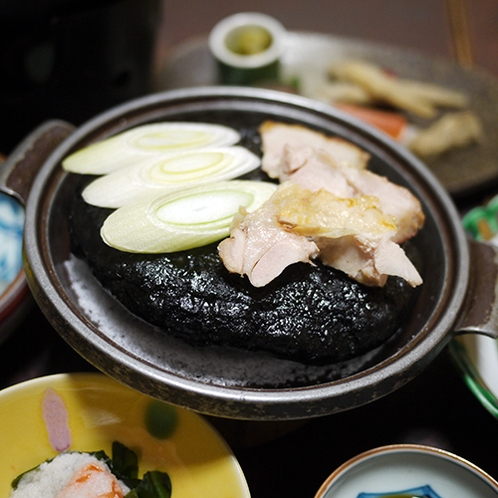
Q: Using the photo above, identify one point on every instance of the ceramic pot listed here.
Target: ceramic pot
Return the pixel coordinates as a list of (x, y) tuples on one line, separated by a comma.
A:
[(458, 294)]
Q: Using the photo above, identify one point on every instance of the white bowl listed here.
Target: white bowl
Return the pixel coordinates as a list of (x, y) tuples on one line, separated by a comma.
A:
[(407, 470)]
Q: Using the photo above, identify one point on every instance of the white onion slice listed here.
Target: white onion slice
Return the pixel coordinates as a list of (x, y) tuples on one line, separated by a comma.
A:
[(145, 141), (169, 172), (183, 219)]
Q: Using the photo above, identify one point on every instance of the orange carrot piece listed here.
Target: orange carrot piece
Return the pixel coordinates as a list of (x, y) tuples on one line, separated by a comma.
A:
[(389, 122)]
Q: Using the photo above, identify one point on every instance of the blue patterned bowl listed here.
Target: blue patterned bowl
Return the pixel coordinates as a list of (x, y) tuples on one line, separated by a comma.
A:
[(13, 286), (408, 471)]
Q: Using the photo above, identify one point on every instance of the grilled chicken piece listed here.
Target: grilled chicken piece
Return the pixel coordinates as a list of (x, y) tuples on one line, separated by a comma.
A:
[(353, 235), (261, 248), (315, 169), (275, 136), (395, 200), (328, 206), (295, 224)]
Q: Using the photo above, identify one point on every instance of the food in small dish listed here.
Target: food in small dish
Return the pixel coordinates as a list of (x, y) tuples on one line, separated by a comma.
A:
[(76, 474), (67, 475), (388, 102), (247, 47), (134, 434), (420, 98), (481, 222), (452, 130), (270, 292), (249, 40), (85, 474)]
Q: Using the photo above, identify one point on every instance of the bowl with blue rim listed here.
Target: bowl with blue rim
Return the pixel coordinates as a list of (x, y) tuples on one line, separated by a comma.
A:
[(14, 291)]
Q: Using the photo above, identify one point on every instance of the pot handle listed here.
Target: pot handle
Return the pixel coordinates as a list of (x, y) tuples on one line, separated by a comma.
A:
[(21, 167), (480, 310)]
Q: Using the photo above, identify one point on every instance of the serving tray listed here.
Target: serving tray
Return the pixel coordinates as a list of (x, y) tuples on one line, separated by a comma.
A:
[(306, 59)]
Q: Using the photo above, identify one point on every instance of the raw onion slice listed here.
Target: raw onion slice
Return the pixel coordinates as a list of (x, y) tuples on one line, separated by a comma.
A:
[(145, 141), (169, 172), (183, 219)]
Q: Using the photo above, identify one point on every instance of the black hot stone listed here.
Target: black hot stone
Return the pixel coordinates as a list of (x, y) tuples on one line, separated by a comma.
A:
[(311, 314)]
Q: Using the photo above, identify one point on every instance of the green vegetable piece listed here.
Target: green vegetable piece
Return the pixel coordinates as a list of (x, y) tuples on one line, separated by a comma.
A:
[(15, 482), (182, 219), (124, 460), (161, 419), (249, 40), (155, 484), (482, 222), (142, 142), (165, 173)]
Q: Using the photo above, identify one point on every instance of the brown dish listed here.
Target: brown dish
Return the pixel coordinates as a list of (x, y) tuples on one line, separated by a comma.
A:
[(224, 381), (308, 313)]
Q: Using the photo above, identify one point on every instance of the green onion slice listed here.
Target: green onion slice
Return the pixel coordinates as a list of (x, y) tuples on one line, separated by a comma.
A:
[(169, 172), (183, 219), (142, 142)]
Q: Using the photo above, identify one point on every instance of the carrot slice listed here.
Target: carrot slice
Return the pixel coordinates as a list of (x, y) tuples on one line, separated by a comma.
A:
[(389, 122)]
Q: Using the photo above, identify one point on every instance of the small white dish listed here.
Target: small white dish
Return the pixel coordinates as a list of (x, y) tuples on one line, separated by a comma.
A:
[(406, 470), (477, 357)]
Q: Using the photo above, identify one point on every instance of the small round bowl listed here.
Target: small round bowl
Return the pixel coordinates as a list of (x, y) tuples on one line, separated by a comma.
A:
[(239, 67), (13, 285), (97, 411), (407, 470)]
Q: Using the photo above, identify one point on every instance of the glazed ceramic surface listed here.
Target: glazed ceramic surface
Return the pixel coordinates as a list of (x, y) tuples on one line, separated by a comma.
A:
[(409, 471), (476, 355), (223, 381), (14, 295), (11, 230), (100, 411)]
